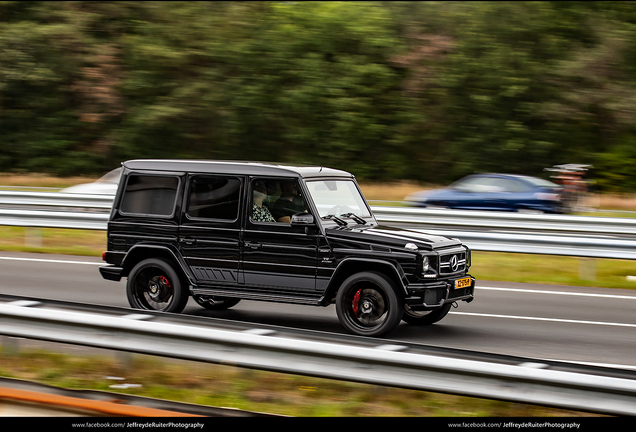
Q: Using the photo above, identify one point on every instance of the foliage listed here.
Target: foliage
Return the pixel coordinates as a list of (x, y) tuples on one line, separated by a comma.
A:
[(425, 91)]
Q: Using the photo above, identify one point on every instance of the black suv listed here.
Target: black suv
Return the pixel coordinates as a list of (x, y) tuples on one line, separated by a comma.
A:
[(225, 231)]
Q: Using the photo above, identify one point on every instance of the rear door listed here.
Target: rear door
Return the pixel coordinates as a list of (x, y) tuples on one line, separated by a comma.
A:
[(210, 231)]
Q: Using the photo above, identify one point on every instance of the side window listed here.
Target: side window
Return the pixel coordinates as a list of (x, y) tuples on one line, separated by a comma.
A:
[(509, 185), (276, 200), (214, 197), (150, 195), (518, 186), (289, 202), (500, 185), (468, 184), (263, 191), (490, 185)]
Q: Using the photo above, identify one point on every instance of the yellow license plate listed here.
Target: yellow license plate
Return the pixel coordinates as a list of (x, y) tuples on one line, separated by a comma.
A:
[(462, 283)]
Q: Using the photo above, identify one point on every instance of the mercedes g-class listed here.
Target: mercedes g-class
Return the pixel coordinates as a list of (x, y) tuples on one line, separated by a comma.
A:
[(225, 231)]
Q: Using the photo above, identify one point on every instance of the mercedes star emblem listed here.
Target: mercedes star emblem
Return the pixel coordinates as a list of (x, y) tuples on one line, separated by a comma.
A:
[(453, 263)]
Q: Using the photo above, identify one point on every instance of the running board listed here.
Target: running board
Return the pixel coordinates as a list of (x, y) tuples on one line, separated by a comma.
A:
[(248, 295)]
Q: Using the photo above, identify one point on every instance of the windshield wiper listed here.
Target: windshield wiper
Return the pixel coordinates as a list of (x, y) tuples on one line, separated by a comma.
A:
[(336, 219), (355, 217)]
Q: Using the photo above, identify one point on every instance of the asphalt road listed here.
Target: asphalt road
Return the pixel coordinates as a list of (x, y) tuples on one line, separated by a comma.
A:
[(578, 324)]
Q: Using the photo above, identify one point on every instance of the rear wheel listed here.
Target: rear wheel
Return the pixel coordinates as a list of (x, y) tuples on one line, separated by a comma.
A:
[(367, 304), (154, 284), (216, 303), (425, 317)]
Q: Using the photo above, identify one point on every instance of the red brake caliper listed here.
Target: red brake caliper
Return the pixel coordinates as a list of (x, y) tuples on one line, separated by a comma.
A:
[(164, 281), (356, 300)]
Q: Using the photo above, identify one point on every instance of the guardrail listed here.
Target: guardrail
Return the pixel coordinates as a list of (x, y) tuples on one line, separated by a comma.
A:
[(489, 220), (383, 364), (578, 236), (54, 200)]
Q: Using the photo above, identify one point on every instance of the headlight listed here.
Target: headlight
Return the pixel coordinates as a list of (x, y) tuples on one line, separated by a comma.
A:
[(429, 266)]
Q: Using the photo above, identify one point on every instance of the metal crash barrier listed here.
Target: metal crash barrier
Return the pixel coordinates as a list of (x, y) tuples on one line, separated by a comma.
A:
[(272, 350)]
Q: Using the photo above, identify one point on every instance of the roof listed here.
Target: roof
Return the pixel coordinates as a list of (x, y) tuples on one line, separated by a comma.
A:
[(519, 176), (233, 167)]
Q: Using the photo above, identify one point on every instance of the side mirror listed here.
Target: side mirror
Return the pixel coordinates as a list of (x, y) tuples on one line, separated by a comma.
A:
[(302, 219)]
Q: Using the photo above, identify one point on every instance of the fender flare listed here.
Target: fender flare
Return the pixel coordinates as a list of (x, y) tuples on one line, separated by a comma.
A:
[(394, 267), (130, 260)]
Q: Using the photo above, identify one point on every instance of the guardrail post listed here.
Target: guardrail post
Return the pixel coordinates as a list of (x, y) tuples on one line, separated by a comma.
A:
[(124, 359), (33, 237), (10, 346), (587, 269)]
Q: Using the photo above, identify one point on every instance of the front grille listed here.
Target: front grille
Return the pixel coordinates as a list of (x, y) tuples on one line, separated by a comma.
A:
[(452, 263)]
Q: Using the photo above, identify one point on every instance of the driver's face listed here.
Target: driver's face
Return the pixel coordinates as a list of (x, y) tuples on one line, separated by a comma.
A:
[(290, 188)]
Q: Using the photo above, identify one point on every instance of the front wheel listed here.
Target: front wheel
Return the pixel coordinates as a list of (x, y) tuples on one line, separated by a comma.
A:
[(367, 305), (154, 284), (425, 317)]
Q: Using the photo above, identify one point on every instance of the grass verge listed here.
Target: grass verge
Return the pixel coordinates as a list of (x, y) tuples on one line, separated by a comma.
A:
[(553, 270), (52, 241), (251, 390)]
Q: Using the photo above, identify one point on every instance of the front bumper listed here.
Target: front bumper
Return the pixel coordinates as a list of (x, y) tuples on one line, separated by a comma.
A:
[(432, 295)]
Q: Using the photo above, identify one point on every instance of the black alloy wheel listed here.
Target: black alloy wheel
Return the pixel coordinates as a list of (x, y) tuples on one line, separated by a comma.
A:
[(425, 317), (216, 303), (368, 305), (154, 284)]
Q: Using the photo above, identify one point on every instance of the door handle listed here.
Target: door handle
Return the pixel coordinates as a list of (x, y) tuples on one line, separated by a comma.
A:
[(253, 246), (188, 241)]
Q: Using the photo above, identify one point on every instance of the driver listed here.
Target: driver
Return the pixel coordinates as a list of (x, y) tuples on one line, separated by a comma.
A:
[(289, 203)]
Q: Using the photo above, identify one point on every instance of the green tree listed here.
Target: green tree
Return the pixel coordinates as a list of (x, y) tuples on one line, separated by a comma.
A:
[(428, 91)]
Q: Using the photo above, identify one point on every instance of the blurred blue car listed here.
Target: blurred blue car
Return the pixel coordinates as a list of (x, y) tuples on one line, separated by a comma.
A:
[(503, 192)]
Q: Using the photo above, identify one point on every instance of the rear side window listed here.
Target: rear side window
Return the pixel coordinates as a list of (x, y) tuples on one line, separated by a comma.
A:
[(150, 195), (213, 197)]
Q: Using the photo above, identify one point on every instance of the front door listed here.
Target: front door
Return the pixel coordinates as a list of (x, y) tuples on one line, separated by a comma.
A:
[(277, 254)]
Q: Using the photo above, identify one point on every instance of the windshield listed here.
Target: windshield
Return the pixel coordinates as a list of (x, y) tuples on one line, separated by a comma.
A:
[(337, 198), (542, 183)]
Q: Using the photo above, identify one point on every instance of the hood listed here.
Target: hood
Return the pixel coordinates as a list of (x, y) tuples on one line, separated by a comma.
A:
[(96, 188), (382, 235)]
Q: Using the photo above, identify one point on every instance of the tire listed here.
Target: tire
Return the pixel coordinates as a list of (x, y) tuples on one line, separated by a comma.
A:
[(153, 284), (368, 305), (216, 303), (425, 317)]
